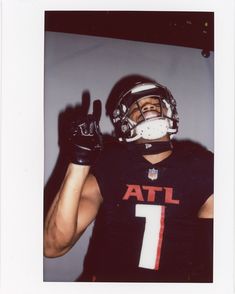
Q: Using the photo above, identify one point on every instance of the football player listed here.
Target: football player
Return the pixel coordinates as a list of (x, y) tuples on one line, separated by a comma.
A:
[(152, 201)]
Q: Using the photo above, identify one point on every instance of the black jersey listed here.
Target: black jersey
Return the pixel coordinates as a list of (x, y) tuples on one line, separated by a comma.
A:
[(146, 227)]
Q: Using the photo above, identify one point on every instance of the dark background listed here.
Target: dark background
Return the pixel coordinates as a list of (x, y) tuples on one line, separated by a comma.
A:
[(188, 29)]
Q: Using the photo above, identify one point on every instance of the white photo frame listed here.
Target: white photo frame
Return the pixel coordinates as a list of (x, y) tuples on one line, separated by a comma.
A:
[(22, 143)]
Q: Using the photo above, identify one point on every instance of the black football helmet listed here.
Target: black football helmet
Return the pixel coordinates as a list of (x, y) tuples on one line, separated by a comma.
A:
[(152, 128)]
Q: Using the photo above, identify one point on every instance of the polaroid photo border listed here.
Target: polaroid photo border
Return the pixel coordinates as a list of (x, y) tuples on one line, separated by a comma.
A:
[(22, 145)]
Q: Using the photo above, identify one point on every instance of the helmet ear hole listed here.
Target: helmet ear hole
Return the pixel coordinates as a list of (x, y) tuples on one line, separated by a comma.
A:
[(125, 128)]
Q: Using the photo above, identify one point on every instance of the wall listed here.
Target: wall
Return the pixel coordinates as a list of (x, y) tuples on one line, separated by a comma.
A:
[(75, 63)]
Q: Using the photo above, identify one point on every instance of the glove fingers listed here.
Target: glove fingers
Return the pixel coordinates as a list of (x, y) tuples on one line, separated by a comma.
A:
[(97, 107), (85, 105)]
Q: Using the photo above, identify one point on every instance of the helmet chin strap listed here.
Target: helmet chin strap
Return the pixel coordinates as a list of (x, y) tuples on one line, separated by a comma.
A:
[(150, 148)]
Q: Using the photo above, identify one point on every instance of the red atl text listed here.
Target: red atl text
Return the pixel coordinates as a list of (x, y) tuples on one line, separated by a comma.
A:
[(139, 193)]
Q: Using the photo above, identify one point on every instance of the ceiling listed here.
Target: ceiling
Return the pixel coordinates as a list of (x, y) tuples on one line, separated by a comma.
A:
[(188, 29)]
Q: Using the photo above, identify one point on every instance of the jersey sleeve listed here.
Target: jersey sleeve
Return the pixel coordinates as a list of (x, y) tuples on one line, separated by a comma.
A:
[(204, 181), (103, 168), (98, 170)]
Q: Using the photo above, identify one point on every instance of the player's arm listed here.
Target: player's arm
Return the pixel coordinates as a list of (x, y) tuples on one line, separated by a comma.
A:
[(73, 209), (90, 201), (78, 199), (207, 209)]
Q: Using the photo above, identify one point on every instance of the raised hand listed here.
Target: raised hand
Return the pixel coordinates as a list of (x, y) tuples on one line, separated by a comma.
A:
[(85, 137)]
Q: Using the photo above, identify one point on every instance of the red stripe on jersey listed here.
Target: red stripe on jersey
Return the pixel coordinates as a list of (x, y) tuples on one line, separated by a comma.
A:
[(159, 246)]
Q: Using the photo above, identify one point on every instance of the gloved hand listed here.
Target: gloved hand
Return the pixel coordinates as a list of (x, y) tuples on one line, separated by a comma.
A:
[(85, 137)]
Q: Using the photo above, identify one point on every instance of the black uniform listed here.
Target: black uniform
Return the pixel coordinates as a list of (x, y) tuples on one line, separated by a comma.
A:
[(147, 227)]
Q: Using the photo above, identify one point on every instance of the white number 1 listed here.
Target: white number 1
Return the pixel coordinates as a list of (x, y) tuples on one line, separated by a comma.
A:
[(153, 234)]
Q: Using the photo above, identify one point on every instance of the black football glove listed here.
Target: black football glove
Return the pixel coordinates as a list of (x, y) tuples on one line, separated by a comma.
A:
[(85, 137)]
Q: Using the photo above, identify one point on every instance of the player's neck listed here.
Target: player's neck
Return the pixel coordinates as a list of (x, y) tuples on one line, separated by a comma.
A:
[(155, 158)]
